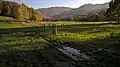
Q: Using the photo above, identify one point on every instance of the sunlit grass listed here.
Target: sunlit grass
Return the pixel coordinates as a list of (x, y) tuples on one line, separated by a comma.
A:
[(16, 25), (98, 33), (6, 18), (59, 23)]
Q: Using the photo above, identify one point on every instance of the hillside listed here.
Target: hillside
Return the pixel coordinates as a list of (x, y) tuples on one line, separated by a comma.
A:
[(83, 10), (6, 18), (19, 11), (52, 11)]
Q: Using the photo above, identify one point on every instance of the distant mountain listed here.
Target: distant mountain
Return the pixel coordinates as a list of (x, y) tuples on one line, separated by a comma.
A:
[(83, 10), (52, 11)]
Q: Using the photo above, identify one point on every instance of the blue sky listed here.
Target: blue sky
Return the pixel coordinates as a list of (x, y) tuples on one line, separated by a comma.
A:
[(66, 3)]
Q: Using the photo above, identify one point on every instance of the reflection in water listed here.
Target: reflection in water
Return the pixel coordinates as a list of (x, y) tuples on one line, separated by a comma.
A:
[(73, 53)]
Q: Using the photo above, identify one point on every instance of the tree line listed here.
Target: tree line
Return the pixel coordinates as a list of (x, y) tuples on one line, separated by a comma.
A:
[(19, 11)]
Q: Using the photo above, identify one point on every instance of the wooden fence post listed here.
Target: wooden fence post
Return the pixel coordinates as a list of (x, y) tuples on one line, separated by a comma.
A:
[(49, 25), (44, 27), (54, 29)]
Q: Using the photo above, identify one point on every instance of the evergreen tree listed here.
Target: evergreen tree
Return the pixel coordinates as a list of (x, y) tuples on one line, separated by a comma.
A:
[(113, 13)]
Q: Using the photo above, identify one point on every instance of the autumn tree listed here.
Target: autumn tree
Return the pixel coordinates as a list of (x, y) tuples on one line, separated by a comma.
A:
[(19, 11), (31, 13), (10, 9), (14, 7), (38, 16), (5, 8)]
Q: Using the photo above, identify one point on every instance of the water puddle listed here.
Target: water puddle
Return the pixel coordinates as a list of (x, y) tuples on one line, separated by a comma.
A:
[(73, 53)]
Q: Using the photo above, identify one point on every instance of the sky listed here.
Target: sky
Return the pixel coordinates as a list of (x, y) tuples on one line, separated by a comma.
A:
[(57, 3)]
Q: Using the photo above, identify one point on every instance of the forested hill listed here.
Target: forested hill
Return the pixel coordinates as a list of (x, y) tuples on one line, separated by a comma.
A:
[(19, 11)]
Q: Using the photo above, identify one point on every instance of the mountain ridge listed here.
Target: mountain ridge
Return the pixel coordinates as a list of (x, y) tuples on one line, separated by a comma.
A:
[(83, 10), (64, 12)]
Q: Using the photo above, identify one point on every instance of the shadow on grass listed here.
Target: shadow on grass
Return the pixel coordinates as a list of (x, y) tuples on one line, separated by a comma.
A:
[(112, 42), (30, 57), (26, 29), (24, 58)]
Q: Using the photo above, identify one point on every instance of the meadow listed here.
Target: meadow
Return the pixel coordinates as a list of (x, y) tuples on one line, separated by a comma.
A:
[(17, 37), (99, 34)]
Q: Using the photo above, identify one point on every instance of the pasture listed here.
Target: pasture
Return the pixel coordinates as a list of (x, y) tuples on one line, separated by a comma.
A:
[(98, 34), (20, 41)]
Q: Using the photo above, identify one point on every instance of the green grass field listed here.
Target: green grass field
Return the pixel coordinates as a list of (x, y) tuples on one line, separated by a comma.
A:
[(6, 18), (99, 34), (20, 43), (85, 33)]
